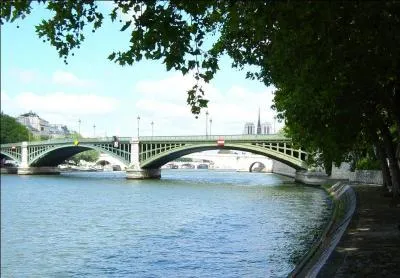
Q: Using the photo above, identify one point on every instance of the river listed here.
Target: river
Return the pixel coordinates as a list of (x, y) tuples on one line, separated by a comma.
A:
[(193, 223)]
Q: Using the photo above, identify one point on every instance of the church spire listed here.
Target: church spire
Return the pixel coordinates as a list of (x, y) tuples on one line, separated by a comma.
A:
[(259, 122)]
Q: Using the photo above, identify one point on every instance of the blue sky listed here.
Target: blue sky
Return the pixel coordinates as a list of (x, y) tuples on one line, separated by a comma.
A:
[(101, 93)]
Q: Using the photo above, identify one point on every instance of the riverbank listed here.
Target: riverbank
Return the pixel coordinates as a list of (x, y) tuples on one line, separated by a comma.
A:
[(361, 240), (370, 246), (344, 199)]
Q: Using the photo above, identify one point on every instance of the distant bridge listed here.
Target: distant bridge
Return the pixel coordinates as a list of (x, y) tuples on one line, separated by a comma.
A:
[(143, 156)]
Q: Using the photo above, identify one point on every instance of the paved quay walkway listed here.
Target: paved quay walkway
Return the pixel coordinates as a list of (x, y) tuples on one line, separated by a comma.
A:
[(370, 247)]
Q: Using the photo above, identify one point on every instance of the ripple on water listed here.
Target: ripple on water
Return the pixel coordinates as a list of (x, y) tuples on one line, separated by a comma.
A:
[(188, 224)]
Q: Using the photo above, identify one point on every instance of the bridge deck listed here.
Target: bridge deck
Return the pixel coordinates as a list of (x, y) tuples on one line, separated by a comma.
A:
[(193, 138)]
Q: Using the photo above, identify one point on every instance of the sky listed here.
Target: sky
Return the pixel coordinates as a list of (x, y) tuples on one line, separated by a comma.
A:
[(97, 92)]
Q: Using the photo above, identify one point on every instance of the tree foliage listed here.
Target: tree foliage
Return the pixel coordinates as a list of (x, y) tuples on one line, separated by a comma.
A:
[(335, 65), (368, 164), (184, 159), (11, 130), (89, 156)]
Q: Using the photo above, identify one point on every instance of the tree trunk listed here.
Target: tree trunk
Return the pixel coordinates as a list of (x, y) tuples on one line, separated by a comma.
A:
[(391, 155), (380, 152), (396, 102)]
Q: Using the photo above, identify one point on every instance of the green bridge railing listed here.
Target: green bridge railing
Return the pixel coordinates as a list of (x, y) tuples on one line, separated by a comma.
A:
[(269, 137)]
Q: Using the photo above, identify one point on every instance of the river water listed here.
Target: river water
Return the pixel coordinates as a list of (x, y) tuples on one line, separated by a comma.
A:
[(190, 223)]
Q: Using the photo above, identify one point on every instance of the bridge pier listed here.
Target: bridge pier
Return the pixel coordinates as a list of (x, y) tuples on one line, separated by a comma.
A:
[(134, 171), (139, 173), (38, 171)]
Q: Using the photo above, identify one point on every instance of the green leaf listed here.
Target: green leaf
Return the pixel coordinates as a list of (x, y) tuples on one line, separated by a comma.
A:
[(111, 56), (127, 24)]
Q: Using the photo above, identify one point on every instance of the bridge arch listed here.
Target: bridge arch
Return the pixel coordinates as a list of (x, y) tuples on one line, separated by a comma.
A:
[(156, 161), (103, 162), (58, 154), (7, 156), (260, 165)]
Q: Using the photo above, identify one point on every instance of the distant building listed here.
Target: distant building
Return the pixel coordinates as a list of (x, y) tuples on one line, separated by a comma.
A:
[(40, 127), (249, 128), (266, 128), (258, 123), (33, 122), (262, 128), (58, 130)]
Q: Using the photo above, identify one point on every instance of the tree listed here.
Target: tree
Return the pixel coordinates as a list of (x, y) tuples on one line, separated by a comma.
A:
[(90, 156), (348, 93), (184, 159), (12, 131), (335, 65)]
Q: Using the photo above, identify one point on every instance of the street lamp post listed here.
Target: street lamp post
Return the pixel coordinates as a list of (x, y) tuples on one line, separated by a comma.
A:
[(210, 125), (79, 127), (152, 130), (94, 130), (274, 124), (206, 123), (138, 119)]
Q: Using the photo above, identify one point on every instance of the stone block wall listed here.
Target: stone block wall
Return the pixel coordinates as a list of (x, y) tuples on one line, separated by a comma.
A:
[(341, 172), (283, 169), (366, 176), (357, 176)]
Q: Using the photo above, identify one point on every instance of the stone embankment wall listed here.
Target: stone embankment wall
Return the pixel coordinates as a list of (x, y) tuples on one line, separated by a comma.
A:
[(8, 170), (366, 176), (344, 199), (342, 172), (283, 169), (357, 176), (338, 173)]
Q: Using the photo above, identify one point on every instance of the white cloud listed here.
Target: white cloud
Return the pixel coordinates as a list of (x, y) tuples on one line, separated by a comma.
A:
[(7, 104), (172, 88), (27, 76), (69, 79), (67, 104), (244, 104), (4, 97), (161, 107), (164, 101)]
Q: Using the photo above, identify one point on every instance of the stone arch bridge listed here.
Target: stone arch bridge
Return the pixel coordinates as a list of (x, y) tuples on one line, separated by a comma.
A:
[(145, 155)]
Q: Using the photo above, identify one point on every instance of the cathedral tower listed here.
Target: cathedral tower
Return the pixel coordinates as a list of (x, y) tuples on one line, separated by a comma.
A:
[(259, 122)]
